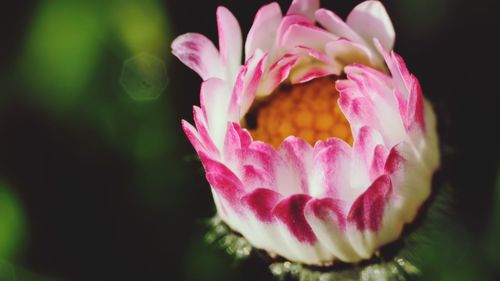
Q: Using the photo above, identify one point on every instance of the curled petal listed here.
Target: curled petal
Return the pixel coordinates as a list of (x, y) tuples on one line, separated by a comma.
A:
[(198, 53)]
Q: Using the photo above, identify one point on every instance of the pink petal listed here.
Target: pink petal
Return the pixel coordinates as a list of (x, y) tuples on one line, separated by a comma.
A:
[(380, 155), (394, 161), (261, 202), (199, 54), (202, 128), (364, 146), (328, 209), (262, 34), (290, 212), (328, 220), (276, 74), (261, 155), (230, 40), (223, 180), (193, 136), (407, 90), (305, 74), (291, 20), (304, 7), (370, 20), (246, 86), (363, 156), (311, 37), (367, 212), (255, 177)]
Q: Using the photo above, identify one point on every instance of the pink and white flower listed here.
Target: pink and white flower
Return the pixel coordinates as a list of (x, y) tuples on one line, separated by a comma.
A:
[(314, 200)]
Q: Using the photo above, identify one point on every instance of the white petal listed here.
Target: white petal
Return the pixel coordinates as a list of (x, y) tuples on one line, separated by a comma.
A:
[(230, 41), (370, 20), (262, 34)]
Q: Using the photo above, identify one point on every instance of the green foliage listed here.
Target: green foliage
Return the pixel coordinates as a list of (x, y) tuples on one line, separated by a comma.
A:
[(203, 262), (12, 223), (62, 50)]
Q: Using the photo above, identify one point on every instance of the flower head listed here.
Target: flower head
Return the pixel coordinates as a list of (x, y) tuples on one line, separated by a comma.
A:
[(320, 147)]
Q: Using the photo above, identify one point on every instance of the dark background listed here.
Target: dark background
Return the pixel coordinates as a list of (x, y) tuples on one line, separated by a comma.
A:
[(98, 182)]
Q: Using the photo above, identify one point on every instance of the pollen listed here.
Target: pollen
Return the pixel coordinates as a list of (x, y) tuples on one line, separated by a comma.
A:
[(309, 110)]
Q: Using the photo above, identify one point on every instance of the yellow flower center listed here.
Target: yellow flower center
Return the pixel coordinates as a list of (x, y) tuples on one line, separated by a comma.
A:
[(308, 110)]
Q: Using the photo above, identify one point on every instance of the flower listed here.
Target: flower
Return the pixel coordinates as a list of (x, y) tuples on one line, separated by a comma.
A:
[(320, 147)]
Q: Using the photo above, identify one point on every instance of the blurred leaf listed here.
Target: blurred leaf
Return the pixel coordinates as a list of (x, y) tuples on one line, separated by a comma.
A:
[(62, 50), (440, 247), (140, 25), (205, 262), (12, 224)]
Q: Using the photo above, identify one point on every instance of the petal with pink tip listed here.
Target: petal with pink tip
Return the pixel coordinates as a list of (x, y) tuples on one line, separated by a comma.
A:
[(297, 155), (223, 180), (327, 218), (261, 202), (198, 53), (330, 174), (370, 20), (246, 85), (407, 90), (362, 158), (289, 21), (193, 136), (367, 212), (312, 64), (202, 128), (277, 73), (261, 155), (380, 155), (290, 212)]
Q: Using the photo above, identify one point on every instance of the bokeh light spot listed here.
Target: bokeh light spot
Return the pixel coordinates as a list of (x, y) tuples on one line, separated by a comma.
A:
[(144, 77)]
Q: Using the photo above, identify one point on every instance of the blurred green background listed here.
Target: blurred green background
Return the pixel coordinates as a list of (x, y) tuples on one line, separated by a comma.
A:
[(98, 182)]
